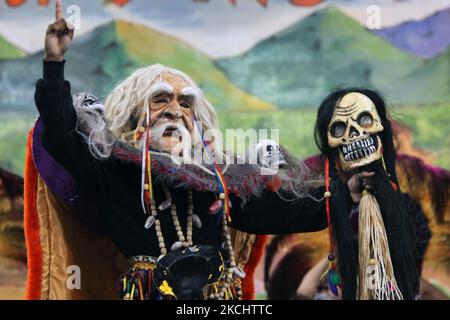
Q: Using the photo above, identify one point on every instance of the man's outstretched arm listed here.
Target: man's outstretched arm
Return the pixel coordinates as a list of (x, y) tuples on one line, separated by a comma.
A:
[(270, 214), (54, 101)]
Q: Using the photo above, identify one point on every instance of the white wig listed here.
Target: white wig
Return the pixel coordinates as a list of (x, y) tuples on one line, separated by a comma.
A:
[(126, 105)]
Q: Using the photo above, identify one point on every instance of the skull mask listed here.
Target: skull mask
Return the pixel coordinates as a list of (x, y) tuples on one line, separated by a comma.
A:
[(354, 130), (269, 154)]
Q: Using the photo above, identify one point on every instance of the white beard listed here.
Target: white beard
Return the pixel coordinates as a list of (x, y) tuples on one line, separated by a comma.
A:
[(157, 138)]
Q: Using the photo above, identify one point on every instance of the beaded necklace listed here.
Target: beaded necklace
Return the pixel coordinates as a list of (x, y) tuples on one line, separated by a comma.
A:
[(229, 286)]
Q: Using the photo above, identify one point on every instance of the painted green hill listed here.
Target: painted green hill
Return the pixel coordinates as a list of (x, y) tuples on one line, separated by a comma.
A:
[(299, 66), (430, 83), (8, 50), (98, 60)]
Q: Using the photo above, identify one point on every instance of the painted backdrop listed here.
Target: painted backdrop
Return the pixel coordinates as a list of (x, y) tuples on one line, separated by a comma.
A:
[(262, 64)]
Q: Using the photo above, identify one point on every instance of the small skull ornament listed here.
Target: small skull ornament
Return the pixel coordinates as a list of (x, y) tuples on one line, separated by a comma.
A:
[(88, 100), (354, 130), (269, 154)]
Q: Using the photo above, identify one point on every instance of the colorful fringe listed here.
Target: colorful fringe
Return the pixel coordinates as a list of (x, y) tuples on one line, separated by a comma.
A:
[(332, 277), (136, 284), (220, 179), (331, 274)]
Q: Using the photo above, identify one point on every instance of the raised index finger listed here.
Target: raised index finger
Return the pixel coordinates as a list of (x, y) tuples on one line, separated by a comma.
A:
[(58, 10)]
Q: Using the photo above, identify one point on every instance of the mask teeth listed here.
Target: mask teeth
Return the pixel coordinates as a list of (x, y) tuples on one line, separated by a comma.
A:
[(359, 149)]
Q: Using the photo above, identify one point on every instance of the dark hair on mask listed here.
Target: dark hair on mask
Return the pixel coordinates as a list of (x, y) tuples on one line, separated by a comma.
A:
[(393, 209)]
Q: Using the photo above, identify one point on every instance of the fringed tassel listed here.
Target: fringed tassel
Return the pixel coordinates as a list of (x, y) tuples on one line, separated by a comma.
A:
[(229, 292), (331, 274), (224, 197), (376, 275), (136, 285), (146, 168)]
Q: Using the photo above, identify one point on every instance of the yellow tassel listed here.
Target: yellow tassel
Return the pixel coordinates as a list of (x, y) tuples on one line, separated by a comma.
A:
[(149, 172), (231, 293), (324, 274), (384, 164), (132, 291)]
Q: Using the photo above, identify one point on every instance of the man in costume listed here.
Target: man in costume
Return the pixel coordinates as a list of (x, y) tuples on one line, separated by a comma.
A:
[(295, 263), (120, 168), (367, 216)]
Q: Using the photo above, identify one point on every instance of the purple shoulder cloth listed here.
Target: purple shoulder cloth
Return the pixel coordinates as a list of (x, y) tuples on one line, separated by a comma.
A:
[(54, 175)]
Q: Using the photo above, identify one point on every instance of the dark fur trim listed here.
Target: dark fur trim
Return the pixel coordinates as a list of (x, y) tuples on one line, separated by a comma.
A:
[(243, 180)]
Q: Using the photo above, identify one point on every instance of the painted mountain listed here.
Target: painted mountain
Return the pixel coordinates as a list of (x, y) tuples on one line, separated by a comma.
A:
[(98, 60), (426, 38), (431, 80), (8, 50), (299, 66)]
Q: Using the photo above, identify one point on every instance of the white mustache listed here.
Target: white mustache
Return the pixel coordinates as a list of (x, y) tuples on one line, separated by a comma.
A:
[(157, 131)]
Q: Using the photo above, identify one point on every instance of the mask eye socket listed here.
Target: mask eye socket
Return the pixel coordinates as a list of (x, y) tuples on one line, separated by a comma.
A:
[(365, 120), (160, 100), (337, 129), (185, 104)]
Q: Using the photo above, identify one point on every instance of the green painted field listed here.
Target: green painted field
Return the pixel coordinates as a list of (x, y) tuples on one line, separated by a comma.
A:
[(430, 127), (8, 50), (13, 138)]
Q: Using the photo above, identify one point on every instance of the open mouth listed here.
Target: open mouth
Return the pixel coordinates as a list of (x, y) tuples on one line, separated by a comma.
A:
[(360, 149), (168, 132)]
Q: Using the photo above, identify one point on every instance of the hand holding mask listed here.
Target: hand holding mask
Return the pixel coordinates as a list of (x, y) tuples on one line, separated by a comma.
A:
[(359, 182)]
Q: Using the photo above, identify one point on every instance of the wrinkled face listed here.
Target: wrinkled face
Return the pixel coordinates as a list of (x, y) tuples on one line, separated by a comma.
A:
[(354, 130), (171, 113)]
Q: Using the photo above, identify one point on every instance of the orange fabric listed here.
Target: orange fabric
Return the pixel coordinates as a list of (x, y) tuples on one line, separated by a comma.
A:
[(55, 240), (69, 247), (248, 285), (31, 224)]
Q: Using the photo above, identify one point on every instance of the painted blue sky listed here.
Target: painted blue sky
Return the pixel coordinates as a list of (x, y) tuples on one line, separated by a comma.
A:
[(216, 28)]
